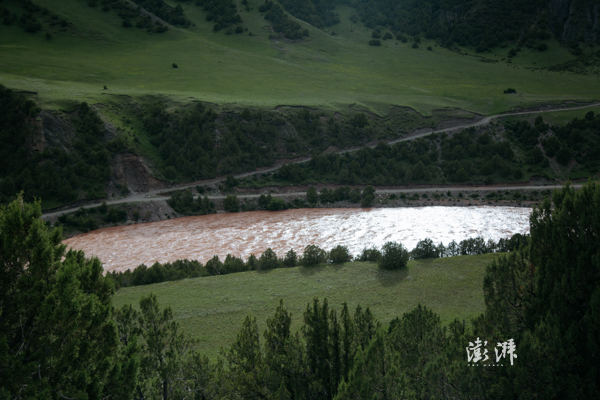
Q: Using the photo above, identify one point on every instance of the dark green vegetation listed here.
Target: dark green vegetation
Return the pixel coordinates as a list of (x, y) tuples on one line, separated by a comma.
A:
[(281, 22), (152, 15), (32, 18), (512, 151), (57, 334), (64, 172), (480, 24), (183, 202), (393, 256), (61, 336), (88, 219)]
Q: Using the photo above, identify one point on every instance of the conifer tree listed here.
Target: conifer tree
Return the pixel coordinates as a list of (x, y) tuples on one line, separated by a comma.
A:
[(57, 335)]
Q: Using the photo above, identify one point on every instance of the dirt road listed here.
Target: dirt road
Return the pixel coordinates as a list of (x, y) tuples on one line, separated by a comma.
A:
[(154, 195)]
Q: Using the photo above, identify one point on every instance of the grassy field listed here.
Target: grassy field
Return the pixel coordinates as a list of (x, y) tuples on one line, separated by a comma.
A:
[(325, 71), (212, 309)]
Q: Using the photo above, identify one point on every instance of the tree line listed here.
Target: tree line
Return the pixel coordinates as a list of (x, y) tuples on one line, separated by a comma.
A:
[(391, 256), (61, 337), (482, 24)]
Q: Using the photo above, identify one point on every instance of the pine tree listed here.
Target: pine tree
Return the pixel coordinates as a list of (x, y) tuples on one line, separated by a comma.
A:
[(57, 335), (316, 334)]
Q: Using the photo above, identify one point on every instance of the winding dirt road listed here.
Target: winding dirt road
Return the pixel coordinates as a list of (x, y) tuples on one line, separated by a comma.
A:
[(154, 194)]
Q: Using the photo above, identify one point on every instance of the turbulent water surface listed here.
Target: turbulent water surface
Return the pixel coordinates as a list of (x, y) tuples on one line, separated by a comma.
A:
[(240, 234)]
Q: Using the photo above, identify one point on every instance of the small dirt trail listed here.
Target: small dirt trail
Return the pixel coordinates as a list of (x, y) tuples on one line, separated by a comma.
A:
[(153, 195)]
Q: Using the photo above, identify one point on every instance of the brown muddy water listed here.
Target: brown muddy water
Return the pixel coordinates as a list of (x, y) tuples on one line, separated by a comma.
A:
[(242, 234)]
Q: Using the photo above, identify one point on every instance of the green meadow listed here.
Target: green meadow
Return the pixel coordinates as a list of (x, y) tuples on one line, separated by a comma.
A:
[(324, 71), (212, 309)]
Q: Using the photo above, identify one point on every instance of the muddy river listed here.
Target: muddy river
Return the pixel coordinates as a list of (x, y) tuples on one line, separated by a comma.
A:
[(240, 234)]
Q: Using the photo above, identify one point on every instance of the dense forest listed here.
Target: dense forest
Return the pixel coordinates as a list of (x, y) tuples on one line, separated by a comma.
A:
[(60, 335)]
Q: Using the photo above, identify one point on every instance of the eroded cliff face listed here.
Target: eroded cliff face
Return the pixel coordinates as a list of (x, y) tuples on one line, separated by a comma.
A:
[(131, 170), (55, 129), (575, 20)]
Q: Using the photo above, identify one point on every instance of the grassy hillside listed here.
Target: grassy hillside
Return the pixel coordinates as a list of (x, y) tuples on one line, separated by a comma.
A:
[(321, 71), (212, 309)]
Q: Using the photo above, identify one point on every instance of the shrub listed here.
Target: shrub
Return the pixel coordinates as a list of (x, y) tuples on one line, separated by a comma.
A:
[(372, 255), (268, 260), (367, 201), (340, 254), (393, 256), (425, 249), (374, 42), (231, 203), (214, 266), (313, 255), (510, 91), (174, 65), (415, 45), (276, 204), (291, 259)]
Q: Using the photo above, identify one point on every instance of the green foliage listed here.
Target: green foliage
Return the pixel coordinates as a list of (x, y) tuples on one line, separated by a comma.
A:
[(291, 259), (425, 249), (313, 255), (481, 24), (546, 299), (128, 12), (223, 13), (54, 173), (231, 203), (268, 260), (319, 14), (393, 256), (280, 22), (142, 275), (367, 201), (339, 255), (311, 195), (182, 201), (214, 266), (372, 255), (276, 204), (56, 332), (170, 368)]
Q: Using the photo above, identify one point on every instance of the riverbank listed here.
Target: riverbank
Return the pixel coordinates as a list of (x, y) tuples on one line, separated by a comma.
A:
[(157, 209)]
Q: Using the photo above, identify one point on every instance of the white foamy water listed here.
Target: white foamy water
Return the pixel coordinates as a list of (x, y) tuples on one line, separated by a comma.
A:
[(242, 234)]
